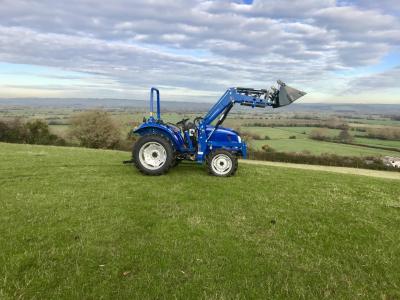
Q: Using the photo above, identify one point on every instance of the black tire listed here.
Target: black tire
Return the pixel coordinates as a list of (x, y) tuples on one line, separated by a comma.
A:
[(141, 164), (176, 162), (226, 155)]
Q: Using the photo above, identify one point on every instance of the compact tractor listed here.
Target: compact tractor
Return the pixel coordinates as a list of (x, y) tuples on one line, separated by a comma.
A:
[(163, 145)]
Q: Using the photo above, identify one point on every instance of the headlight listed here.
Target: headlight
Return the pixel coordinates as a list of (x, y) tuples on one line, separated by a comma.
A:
[(239, 139)]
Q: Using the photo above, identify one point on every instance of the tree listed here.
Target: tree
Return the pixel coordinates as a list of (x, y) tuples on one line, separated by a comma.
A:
[(267, 148), (95, 129), (320, 134), (345, 137), (31, 132), (39, 133)]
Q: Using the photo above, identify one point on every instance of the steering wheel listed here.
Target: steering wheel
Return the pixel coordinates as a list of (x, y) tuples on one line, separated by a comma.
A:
[(182, 122), (197, 120)]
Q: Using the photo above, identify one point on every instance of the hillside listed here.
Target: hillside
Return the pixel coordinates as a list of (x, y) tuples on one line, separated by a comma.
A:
[(76, 223)]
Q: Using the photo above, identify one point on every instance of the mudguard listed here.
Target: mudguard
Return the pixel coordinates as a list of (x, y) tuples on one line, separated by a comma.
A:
[(170, 133)]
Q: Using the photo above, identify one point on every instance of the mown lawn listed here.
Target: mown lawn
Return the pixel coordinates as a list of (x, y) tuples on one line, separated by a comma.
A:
[(77, 224)]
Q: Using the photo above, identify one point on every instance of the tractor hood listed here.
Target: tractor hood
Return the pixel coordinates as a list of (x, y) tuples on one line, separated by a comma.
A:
[(223, 134), (287, 95)]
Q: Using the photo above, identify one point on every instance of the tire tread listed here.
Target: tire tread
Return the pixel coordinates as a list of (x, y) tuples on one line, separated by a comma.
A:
[(226, 152), (170, 154)]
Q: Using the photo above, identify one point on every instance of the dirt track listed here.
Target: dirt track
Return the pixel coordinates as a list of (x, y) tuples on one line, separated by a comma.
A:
[(363, 172)]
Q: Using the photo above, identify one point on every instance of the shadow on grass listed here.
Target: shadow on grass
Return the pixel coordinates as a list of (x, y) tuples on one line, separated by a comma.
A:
[(187, 168)]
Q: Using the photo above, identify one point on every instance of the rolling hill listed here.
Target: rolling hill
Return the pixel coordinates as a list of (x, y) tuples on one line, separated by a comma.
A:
[(76, 223)]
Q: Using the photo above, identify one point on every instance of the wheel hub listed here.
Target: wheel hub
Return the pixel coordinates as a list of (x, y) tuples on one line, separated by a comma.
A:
[(152, 155), (221, 164)]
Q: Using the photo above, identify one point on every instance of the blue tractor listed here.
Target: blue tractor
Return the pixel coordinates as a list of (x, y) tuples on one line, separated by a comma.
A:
[(163, 145)]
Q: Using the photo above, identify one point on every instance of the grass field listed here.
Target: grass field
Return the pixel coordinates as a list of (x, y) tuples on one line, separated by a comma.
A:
[(379, 122), (320, 147), (377, 142), (279, 140), (77, 224)]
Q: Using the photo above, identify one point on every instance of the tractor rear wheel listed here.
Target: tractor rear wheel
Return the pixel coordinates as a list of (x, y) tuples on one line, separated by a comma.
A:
[(153, 154), (222, 163)]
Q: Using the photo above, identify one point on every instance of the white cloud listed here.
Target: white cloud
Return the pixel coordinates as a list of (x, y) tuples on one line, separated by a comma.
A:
[(198, 46), (383, 80)]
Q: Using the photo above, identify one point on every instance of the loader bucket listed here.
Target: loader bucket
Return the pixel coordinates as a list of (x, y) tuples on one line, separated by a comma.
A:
[(287, 95)]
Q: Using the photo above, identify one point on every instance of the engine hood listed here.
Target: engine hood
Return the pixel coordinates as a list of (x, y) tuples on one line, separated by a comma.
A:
[(223, 134)]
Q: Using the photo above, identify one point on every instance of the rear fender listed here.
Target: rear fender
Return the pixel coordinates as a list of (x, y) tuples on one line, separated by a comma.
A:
[(174, 137)]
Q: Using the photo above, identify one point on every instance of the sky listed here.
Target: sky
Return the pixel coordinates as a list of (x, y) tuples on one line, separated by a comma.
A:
[(193, 50)]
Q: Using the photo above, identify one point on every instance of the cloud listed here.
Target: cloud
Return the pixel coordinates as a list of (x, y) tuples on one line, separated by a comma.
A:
[(195, 46), (384, 80), (270, 8)]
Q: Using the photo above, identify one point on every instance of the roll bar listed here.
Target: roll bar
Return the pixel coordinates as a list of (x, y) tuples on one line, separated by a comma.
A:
[(152, 90)]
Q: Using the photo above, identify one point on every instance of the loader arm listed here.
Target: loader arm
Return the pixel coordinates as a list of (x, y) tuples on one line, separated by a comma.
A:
[(231, 97), (285, 95)]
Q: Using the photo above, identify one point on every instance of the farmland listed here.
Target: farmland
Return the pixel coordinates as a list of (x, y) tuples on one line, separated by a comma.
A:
[(76, 223), (296, 139), (320, 147), (274, 132)]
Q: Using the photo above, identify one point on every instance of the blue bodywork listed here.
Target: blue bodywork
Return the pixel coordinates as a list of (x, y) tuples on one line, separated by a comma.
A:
[(225, 138), (197, 142)]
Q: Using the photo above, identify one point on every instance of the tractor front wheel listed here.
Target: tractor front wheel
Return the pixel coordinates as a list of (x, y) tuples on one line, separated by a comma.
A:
[(153, 154), (222, 163)]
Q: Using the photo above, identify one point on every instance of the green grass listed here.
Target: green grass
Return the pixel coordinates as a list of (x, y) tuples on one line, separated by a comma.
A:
[(320, 147), (279, 140), (274, 133), (381, 122), (377, 142), (77, 224), (60, 130), (305, 131)]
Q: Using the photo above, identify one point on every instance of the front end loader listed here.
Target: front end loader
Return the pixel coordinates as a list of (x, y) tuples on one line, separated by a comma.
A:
[(163, 145)]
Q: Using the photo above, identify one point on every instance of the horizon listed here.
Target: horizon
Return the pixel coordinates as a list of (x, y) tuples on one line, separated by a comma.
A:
[(175, 101), (182, 101), (339, 52)]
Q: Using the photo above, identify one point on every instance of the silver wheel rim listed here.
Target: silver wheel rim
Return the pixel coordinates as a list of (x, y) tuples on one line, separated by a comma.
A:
[(221, 164), (152, 155)]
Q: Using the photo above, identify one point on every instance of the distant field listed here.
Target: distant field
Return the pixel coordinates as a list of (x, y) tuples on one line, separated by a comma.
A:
[(377, 142), (307, 130), (371, 125), (286, 132), (385, 122), (279, 136), (274, 132), (77, 224), (320, 147), (59, 129), (279, 140)]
